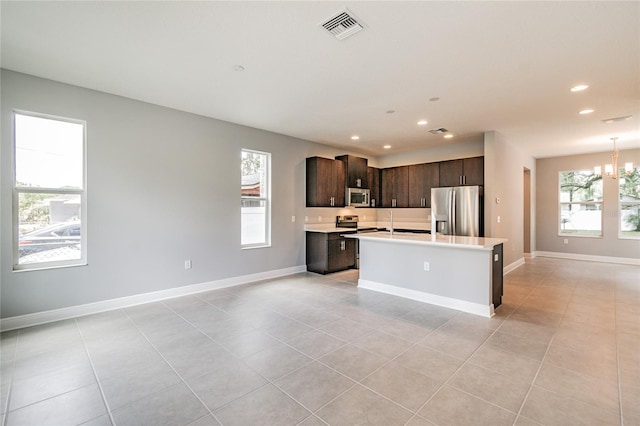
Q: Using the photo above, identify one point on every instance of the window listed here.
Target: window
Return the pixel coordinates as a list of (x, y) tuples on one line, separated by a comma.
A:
[(49, 192), (255, 194), (629, 200), (580, 203)]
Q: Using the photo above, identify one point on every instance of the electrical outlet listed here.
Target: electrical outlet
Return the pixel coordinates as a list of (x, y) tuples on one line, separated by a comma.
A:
[(293, 218), (319, 218), (566, 241), (306, 218), (427, 266), (498, 219), (187, 264)]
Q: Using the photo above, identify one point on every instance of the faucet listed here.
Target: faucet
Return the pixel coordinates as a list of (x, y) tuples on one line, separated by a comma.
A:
[(391, 220)]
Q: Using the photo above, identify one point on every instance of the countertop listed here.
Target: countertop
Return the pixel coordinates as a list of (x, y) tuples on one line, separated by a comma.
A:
[(330, 227), (327, 228), (452, 241)]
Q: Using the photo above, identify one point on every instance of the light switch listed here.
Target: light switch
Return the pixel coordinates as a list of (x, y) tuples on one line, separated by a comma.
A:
[(498, 219)]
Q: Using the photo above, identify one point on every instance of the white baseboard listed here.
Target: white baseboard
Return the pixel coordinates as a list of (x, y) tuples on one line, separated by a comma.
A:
[(510, 267), (447, 302), (37, 318), (589, 257)]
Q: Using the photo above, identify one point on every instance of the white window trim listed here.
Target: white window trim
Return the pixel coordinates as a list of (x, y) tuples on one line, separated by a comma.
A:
[(267, 201), (82, 261)]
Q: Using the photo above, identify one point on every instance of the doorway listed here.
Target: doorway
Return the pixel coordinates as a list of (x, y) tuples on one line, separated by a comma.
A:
[(526, 238)]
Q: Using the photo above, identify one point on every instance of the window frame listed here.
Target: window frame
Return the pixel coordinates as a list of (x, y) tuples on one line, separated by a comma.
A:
[(266, 199), (585, 203), (621, 236), (17, 190)]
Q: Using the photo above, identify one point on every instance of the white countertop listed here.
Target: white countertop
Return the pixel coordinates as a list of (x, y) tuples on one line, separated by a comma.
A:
[(330, 227), (327, 228), (452, 241)]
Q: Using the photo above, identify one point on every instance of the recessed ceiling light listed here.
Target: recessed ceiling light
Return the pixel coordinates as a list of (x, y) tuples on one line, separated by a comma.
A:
[(579, 88), (422, 123), (449, 136), (586, 111), (434, 99), (238, 68), (387, 147), (355, 137), (391, 111)]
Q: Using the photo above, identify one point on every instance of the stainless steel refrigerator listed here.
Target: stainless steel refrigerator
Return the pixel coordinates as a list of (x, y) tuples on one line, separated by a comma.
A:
[(458, 210)]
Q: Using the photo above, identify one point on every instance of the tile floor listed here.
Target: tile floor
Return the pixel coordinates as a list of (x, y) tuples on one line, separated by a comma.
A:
[(307, 350)]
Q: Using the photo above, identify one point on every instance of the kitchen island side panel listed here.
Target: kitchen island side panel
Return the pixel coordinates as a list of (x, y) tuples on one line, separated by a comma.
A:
[(455, 273)]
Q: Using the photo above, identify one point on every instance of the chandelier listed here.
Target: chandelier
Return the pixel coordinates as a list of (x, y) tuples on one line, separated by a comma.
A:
[(611, 170)]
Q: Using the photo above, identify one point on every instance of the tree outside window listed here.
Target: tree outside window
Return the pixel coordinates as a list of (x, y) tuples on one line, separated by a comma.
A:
[(629, 202), (580, 203)]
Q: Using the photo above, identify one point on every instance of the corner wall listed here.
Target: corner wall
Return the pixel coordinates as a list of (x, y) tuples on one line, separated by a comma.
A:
[(504, 166), (163, 186)]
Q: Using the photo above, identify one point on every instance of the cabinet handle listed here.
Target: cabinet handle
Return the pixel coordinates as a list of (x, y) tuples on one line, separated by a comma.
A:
[(331, 201), (460, 180), (358, 183), (343, 245)]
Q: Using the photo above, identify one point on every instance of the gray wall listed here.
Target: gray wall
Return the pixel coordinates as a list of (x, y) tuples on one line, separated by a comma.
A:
[(163, 187), (505, 166), (547, 238)]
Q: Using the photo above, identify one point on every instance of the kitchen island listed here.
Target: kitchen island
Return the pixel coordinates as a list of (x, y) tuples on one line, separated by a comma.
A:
[(463, 273)]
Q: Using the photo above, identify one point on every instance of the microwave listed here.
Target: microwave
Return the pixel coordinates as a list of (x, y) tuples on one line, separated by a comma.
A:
[(358, 197)]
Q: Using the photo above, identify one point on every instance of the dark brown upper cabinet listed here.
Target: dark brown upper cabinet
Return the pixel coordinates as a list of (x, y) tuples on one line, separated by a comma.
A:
[(373, 180), (356, 171), (422, 177), (325, 182), (464, 171), (394, 187)]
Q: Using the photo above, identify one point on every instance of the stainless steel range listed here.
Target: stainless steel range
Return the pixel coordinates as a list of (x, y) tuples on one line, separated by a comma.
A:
[(351, 222)]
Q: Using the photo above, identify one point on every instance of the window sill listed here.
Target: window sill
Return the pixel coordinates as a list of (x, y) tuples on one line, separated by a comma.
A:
[(23, 268)]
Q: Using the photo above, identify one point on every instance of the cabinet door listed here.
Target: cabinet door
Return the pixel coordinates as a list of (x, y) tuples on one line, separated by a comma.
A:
[(356, 171), (387, 177), (325, 182), (473, 171), (431, 180), (451, 172), (417, 174), (342, 254), (401, 186), (337, 182), (373, 181), (395, 187)]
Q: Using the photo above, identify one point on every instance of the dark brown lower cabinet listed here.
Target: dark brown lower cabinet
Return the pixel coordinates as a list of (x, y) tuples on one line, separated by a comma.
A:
[(330, 252), (497, 273)]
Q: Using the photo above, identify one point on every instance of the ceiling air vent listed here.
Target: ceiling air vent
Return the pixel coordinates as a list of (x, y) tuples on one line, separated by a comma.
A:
[(616, 119), (439, 131), (342, 25)]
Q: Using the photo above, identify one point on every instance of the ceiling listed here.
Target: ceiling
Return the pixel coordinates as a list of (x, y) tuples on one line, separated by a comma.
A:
[(505, 66)]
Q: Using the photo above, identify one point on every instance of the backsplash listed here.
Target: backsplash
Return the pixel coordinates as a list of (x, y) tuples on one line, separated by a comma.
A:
[(402, 218)]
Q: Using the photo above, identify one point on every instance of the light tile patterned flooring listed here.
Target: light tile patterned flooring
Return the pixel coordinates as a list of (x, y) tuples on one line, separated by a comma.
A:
[(563, 349)]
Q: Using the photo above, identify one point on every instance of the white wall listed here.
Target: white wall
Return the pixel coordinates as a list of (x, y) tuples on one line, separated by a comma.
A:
[(548, 240), (178, 175)]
